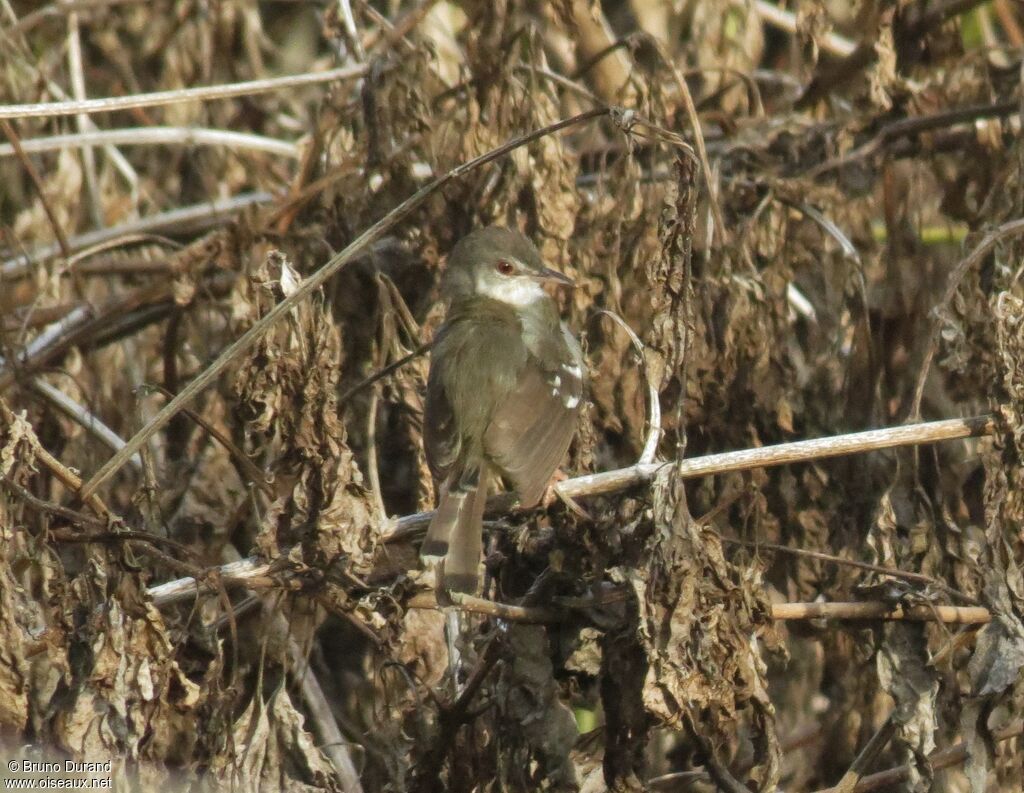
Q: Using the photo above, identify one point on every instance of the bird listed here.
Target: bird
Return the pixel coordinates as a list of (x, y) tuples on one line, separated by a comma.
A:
[(504, 391)]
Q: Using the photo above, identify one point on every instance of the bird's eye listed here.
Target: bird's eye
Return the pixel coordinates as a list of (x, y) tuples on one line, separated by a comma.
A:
[(504, 267)]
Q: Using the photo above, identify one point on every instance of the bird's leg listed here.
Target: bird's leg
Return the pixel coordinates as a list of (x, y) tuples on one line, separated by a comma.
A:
[(453, 636)]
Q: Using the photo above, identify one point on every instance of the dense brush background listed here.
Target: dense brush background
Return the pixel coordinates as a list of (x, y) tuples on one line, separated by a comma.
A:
[(803, 295)]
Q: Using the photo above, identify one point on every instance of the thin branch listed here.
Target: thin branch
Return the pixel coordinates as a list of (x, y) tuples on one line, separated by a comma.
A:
[(253, 472), (784, 453), (147, 136), (199, 94), (944, 758), (77, 73), (194, 217), (391, 368), (867, 756), (312, 283), (17, 148), (83, 417), (917, 578), (785, 20), (879, 610), (698, 138), (333, 743)]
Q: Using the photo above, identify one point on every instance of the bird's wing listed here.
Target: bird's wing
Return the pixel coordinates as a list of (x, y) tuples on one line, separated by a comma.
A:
[(442, 440), (531, 429)]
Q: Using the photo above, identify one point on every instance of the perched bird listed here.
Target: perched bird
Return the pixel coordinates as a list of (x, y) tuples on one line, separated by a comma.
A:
[(505, 386)]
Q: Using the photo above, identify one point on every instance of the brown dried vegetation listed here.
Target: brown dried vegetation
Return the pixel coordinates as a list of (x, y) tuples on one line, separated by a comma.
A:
[(834, 247)]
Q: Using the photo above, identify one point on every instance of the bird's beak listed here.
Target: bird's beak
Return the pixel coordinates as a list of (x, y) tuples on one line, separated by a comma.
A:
[(548, 276)]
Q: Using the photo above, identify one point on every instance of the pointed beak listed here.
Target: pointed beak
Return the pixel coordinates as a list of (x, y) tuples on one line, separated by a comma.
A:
[(548, 276)]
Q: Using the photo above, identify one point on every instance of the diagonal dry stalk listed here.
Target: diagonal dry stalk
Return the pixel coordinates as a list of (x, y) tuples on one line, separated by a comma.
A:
[(314, 282), (202, 93)]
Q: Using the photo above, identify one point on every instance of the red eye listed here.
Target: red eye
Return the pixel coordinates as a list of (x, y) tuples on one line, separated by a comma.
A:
[(504, 267)]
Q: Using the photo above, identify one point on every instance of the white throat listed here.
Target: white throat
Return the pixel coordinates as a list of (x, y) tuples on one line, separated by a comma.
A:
[(518, 292)]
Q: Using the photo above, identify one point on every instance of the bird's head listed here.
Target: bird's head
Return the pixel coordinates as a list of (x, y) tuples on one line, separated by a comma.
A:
[(501, 264)]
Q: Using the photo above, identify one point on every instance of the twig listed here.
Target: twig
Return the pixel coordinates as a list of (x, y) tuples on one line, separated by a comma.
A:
[(16, 146), (784, 453), (394, 33), (253, 472), (333, 743), (596, 45), (944, 758), (780, 18), (146, 136), (29, 21), (199, 94), (195, 216), (918, 578), (84, 418), (77, 73), (71, 515), (610, 481), (915, 125), (252, 572), (71, 481), (392, 367), (312, 283), (867, 756), (249, 572), (879, 610), (698, 138), (120, 162)]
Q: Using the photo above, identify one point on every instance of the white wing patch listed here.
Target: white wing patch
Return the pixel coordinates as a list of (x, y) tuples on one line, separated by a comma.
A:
[(568, 388)]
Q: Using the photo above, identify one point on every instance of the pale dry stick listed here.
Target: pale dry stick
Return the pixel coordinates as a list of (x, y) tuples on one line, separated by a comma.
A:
[(333, 743), (880, 610), (988, 242), (945, 758), (254, 573), (349, 19), (92, 182), (698, 139), (30, 20), (54, 331), (313, 282), (200, 94), (866, 610), (147, 136), (30, 169), (194, 216), (72, 482), (594, 39), (784, 453), (120, 162), (867, 756), (782, 19), (917, 578), (83, 418)]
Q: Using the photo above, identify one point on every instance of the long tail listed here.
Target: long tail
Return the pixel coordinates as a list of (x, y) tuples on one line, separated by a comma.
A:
[(456, 535)]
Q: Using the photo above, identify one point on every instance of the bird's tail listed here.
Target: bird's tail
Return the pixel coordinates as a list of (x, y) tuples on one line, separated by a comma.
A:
[(456, 535)]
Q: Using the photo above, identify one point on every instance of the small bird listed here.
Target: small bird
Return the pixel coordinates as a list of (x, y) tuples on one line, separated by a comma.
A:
[(504, 391)]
